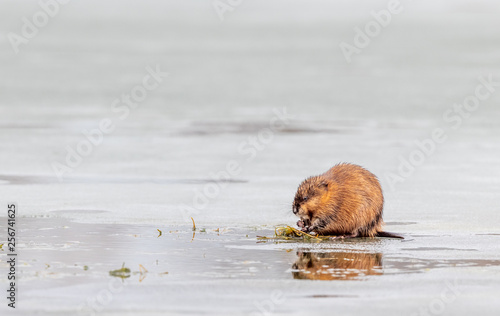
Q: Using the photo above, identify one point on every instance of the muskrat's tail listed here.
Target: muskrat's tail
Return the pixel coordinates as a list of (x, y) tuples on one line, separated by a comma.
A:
[(388, 235)]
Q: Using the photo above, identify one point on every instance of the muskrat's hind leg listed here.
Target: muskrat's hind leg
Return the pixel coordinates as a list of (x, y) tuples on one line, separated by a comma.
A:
[(352, 235)]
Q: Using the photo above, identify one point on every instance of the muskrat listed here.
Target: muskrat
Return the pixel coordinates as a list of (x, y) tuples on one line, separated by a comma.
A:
[(346, 201)]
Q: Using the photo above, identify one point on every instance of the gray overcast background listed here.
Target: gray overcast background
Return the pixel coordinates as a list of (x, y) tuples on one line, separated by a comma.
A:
[(226, 80)]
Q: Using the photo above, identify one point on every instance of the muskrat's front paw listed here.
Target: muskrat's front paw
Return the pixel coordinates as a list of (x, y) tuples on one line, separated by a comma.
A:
[(308, 229), (301, 224)]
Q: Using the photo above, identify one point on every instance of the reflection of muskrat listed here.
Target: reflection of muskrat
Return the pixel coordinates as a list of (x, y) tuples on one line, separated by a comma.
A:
[(345, 201), (336, 265)]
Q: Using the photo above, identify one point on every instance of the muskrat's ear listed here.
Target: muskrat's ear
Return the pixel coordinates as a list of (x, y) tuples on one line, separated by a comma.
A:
[(323, 185)]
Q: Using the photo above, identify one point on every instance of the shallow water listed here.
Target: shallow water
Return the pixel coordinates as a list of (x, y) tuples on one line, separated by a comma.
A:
[(226, 81), (65, 266)]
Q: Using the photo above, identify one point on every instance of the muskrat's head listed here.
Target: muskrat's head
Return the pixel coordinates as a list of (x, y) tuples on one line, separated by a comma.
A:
[(311, 195)]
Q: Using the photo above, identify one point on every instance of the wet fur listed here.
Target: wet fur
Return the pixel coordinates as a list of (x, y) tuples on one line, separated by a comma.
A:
[(346, 200)]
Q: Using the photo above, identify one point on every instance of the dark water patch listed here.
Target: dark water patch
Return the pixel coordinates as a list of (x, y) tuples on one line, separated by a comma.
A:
[(78, 212), (30, 179), (332, 296), (403, 265), (215, 128), (90, 251), (25, 126), (399, 223), (437, 249)]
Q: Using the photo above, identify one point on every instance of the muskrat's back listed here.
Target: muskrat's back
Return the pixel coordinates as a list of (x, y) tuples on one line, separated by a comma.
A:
[(356, 199), (346, 200)]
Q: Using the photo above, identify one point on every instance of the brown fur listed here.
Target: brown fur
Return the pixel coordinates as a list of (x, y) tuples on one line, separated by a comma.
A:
[(346, 201), (336, 265)]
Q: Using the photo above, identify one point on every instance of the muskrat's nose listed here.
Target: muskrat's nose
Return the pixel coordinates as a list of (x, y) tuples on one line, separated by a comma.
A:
[(295, 209)]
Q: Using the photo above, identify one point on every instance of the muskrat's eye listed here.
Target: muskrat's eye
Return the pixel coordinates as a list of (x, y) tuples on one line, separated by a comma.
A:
[(305, 198)]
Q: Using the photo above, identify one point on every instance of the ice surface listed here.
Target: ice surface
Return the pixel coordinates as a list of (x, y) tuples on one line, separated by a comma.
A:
[(226, 81)]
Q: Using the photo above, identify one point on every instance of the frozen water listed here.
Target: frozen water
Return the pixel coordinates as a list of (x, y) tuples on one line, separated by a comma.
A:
[(226, 81)]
